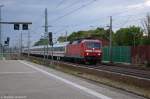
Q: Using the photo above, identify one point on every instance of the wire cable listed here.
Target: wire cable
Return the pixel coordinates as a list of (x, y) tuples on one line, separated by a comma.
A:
[(72, 4), (83, 6), (60, 3)]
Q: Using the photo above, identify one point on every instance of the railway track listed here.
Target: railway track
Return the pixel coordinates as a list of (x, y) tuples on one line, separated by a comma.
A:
[(136, 73), (141, 74)]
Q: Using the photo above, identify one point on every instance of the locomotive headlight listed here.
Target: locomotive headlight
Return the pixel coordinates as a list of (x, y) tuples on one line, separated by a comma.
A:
[(99, 54), (87, 53)]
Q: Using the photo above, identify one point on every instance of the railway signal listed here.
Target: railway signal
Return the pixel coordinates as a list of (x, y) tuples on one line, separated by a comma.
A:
[(7, 41), (50, 38), (24, 26), (16, 26)]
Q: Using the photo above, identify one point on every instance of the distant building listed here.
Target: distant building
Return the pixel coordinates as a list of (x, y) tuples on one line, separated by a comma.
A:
[(105, 42)]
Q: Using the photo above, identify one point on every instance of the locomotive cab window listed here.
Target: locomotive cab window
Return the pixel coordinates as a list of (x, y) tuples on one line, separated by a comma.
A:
[(93, 45)]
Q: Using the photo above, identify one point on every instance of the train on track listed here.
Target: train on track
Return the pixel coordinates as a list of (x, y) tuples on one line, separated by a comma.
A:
[(87, 51)]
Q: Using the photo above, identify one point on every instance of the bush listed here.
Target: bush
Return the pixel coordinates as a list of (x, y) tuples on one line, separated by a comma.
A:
[(148, 64), (145, 41)]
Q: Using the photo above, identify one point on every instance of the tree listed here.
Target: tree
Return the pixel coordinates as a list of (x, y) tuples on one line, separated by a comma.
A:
[(99, 33), (146, 25), (145, 40), (41, 42), (128, 36), (62, 39)]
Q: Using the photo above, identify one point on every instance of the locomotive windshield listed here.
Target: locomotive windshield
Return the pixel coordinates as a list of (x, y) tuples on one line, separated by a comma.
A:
[(93, 45)]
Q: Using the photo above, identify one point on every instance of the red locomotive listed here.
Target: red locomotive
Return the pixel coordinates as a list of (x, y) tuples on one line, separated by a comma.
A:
[(85, 50)]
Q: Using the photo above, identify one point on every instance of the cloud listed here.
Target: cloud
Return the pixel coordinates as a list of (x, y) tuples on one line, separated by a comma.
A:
[(147, 2), (141, 5)]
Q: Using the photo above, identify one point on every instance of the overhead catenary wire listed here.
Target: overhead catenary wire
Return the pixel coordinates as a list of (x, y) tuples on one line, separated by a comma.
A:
[(82, 6), (70, 12), (127, 21), (116, 14), (77, 25), (60, 3), (72, 4), (121, 25)]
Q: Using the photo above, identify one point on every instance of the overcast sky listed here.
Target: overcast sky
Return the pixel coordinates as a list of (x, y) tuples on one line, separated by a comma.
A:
[(70, 15)]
